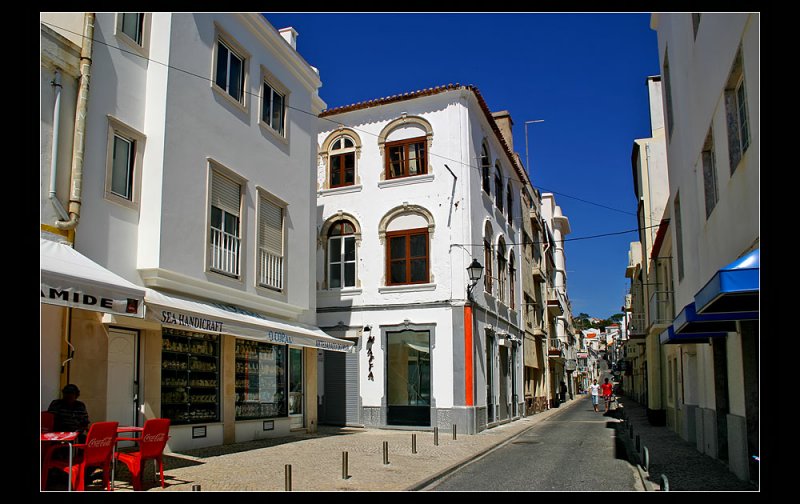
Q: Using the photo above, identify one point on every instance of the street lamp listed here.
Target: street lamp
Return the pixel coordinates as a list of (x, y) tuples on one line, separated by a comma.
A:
[(475, 270), (527, 161)]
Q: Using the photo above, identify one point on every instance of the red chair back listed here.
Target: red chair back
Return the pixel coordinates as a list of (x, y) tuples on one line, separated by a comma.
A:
[(48, 420), (100, 443), (154, 437)]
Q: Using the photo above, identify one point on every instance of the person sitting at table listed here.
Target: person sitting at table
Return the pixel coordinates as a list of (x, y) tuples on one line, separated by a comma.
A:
[(69, 413)]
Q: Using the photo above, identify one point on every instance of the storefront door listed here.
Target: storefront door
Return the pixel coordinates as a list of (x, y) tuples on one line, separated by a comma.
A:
[(490, 411), (296, 387), (122, 397), (504, 399), (408, 378)]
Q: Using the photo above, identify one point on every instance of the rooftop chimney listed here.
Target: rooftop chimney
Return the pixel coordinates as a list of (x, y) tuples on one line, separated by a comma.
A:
[(503, 120), (289, 35)]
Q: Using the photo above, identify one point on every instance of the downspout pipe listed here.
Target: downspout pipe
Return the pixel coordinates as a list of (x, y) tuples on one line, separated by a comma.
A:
[(56, 83), (79, 139)]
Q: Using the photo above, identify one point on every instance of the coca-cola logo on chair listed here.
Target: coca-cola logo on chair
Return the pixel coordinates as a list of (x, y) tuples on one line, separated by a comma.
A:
[(99, 443), (153, 438)]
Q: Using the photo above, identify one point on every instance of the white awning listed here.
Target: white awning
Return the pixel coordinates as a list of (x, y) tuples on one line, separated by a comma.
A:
[(71, 279), (180, 313)]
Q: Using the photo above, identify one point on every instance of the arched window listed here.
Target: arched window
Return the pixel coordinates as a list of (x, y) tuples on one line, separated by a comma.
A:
[(510, 202), (485, 168), (511, 283), (341, 255), (498, 187), (501, 269), (487, 258), (342, 162)]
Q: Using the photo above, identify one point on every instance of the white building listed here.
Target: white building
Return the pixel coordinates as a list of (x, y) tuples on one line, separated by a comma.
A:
[(196, 184), (411, 189), (562, 346), (710, 67)]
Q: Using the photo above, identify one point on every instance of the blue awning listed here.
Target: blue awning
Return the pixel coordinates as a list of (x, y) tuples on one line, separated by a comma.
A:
[(733, 289), (689, 321), (670, 337)]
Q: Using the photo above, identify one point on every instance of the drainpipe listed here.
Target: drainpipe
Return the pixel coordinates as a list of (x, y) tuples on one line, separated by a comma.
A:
[(79, 140), (56, 83)]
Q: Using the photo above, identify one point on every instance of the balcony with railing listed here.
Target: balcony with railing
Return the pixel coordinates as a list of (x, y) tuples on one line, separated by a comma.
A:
[(537, 267), (637, 326), (662, 309), (225, 248), (634, 259), (270, 269), (555, 301)]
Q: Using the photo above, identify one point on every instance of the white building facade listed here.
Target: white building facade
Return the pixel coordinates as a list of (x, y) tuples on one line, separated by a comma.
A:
[(411, 189), (710, 66), (189, 126)]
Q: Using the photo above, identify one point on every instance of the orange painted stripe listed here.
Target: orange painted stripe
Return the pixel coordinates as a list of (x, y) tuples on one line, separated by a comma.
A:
[(468, 355)]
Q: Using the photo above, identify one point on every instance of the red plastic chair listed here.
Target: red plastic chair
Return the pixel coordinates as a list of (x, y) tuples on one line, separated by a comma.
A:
[(97, 451), (48, 421), (153, 439)]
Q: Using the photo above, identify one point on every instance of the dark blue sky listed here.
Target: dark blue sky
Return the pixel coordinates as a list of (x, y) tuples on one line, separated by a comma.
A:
[(584, 74)]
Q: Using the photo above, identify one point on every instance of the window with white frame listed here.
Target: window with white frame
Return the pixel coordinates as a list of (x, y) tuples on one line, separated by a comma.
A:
[(488, 258), (341, 255), (224, 236), (668, 94), (501, 270), (230, 71), (123, 163), (736, 113), (498, 187), (485, 169), (273, 108), (709, 174), (511, 281), (342, 162), (271, 251), (132, 25), (510, 203)]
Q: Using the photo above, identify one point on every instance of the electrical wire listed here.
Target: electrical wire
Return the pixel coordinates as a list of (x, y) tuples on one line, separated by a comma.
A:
[(468, 165)]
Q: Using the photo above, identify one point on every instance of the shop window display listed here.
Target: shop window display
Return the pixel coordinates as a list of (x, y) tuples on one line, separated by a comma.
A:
[(189, 376), (260, 380)]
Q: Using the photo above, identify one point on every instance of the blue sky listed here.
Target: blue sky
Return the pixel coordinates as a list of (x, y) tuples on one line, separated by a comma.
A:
[(584, 74)]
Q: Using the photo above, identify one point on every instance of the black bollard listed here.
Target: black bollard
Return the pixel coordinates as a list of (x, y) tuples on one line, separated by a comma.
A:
[(436, 436), (344, 465), (454, 432), (638, 444), (664, 483), (413, 443), (195, 488), (288, 477), (645, 458), (386, 453)]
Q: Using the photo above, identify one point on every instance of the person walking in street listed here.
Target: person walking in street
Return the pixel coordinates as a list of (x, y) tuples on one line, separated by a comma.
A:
[(563, 391), (606, 388), (594, 388)]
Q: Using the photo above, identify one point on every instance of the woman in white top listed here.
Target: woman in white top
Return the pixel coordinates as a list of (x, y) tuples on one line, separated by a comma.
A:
[(595, 390)]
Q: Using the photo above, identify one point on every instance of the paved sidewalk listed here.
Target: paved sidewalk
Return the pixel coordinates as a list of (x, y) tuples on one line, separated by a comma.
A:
[(316, 459), (669, 454)]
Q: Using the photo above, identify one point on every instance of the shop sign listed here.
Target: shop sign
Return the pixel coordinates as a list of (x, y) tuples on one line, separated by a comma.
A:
[(74, 298)]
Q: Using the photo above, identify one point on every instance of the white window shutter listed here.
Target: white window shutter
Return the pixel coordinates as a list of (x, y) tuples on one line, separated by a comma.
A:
[(225, 194), (270, 227)]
